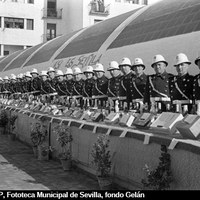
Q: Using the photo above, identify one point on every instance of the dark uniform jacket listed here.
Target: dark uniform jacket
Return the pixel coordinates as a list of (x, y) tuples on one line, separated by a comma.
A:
[(19, 86), (69, 86), (87, 87), (78, 88), (13, 87), (36, 84), (6, 87), (157, 86), (196, 87), (45, 87), (115, 87), (100, 86), (61, 88), (185, 85), (52, 84), (136, 87)]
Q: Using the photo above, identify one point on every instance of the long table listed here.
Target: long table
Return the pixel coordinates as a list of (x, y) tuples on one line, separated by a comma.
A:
[(131, 149)]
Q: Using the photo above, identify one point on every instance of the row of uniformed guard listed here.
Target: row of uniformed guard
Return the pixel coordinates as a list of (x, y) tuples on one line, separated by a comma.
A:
[(128, 82)]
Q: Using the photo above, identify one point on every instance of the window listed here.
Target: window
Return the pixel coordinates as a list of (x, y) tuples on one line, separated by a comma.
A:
[(30, 24), (51, 31), (6, 53), (97, 20), (13, 22), (31, 1)]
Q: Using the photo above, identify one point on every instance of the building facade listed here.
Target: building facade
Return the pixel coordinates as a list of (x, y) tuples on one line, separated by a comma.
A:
[(26, 23)]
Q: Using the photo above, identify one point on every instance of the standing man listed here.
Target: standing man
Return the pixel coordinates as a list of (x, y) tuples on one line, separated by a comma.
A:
[(36, 82), (181, 86), (78, 87), (137, 84), (88, 85), (60, 86), (69, 81), (196, 87), (157, 93), (116, 92), (52, 80), (100, 88), (125, 67)]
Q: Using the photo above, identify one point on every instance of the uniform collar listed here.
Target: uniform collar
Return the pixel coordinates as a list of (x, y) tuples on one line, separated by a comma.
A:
[(163, 75)]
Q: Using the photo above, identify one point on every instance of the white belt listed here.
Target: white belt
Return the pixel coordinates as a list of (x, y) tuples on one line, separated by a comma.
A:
[(137, 100), (99, 97), (77, 96), (117, 98), (52, 94), (182, 102), (160, 99)]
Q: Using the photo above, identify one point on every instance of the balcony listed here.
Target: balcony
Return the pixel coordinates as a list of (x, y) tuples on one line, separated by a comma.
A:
[(52, 13), (98, 8)]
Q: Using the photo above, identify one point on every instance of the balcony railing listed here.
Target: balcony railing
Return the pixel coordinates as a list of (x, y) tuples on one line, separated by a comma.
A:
[(52, 13), (47, 37), (98, 8)]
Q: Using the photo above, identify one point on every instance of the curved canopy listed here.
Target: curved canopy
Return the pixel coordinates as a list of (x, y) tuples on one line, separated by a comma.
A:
[(171, 23)]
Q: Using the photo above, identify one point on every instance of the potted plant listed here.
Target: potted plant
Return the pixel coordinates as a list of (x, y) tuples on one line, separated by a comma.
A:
[(101, 159), (3, 121), (161, 177), (64, 138), (12, 120), (38, 137)]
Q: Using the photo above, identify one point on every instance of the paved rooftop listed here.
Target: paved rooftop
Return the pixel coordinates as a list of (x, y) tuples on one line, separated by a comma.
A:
[(19, 170)]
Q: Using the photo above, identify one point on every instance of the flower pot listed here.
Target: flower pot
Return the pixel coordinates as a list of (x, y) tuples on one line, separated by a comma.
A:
[(35, 151), (43, 153), (2, 130), (105, 183), (12, 136), (66, 164)]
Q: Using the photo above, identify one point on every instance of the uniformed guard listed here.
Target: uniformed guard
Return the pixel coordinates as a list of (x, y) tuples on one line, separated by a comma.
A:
[(125, 67), (116, 92), (61, 85), (137, 84), (99, 91), (13, 81), (45, 85), (78, 87), (196, 87), (157, 93), (36, 82), (1, 85), (52, 80), (19, 84), (27, 86), (88, 86), (181, 86), (6, 87), (69, 81)]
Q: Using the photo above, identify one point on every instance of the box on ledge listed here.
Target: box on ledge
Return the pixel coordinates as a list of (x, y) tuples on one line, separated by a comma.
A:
[(189, 127), (166, 122)]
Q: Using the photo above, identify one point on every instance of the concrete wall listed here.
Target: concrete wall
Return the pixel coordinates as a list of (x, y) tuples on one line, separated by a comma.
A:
[(25, 37), (129, 156)]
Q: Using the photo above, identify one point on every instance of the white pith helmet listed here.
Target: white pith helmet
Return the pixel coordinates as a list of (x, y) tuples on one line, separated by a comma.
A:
[(77, 70), (88, 69), (99, 68), (69, 71), (138, 62), (158, 58), (181, 58), (113, 65), (125, 62)]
